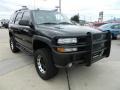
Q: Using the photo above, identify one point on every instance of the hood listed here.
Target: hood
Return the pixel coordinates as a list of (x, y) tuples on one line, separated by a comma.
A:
[(65, 30)]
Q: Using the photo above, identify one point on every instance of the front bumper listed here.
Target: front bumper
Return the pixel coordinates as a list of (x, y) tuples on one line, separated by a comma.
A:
[(89, 51)]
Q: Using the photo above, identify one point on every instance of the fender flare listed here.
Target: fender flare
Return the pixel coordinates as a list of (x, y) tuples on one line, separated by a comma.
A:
[(42, 39)]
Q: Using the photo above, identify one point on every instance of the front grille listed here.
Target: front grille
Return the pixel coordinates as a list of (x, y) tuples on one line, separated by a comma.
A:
[(82, 48), (97, 37), (98, 46), (82, 40)]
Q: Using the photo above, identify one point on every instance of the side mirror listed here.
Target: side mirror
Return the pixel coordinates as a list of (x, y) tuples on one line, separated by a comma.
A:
[(24, 22)]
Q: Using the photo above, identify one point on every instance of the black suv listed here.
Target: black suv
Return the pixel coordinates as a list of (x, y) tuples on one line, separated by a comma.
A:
[(55, 42)]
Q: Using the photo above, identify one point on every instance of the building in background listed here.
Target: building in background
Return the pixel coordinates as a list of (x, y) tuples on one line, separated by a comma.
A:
[(100, 19)]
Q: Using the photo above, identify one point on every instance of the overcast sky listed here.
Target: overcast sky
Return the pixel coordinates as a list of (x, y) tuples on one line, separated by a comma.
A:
[(87, 9)]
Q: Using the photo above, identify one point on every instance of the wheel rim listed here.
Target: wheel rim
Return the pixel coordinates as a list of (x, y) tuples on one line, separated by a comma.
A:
[(41, 65), (11, 44)]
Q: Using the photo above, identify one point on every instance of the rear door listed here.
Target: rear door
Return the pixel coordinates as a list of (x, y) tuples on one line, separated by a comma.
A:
[(15, 27)]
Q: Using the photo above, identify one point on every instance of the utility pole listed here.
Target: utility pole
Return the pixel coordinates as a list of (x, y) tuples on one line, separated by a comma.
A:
[(60, 6), (35, 4)]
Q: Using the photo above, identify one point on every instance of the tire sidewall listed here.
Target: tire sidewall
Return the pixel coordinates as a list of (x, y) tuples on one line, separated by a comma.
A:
[(36, 65), (51, 70), (12, 40), (14, 49)]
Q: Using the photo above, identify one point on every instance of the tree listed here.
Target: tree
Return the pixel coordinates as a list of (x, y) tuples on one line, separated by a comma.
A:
[(75, 18)]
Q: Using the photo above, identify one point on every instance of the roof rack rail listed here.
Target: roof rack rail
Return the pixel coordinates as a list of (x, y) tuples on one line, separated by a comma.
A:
[(23, 8)]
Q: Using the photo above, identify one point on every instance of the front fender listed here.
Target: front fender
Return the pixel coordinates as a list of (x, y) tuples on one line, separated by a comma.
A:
[(42, 39)]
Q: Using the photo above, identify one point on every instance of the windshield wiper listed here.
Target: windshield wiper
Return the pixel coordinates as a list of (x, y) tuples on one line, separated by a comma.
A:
[(47, 23), (65, 23)]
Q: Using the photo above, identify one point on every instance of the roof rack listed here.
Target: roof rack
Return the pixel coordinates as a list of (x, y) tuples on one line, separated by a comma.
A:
[(23, 8)]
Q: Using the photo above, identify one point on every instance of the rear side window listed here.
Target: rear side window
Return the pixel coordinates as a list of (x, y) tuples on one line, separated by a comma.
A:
[(18, 17), (26, 16)]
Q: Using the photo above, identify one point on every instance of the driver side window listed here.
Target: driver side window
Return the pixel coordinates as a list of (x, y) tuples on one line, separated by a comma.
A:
[(26, 16), (18, 17)]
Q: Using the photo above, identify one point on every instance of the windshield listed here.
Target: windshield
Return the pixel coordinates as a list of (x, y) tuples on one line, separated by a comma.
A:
[(105, 26), (49, 17)]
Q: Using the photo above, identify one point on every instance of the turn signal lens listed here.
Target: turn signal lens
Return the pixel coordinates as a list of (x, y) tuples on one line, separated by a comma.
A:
[(60, 49)]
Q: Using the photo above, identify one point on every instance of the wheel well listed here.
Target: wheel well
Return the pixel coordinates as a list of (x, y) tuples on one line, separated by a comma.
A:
[(39, 44)]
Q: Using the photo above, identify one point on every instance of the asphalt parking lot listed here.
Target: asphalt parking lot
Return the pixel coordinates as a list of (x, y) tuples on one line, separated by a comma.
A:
[(17, 72)]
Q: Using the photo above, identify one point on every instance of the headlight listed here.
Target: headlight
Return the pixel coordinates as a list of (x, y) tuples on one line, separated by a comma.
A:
[(67, 40)]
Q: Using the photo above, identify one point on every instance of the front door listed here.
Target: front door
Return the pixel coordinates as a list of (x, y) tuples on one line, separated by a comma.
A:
[(27, 31)]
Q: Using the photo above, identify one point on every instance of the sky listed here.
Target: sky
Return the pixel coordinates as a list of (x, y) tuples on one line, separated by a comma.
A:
[(87, 9)]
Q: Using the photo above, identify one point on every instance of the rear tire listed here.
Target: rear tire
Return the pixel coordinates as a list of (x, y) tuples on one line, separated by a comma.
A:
[(44, 64), (13, 47)]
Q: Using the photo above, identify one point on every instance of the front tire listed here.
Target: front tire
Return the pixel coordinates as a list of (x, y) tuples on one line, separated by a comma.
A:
[(13, 47), (44, 64)]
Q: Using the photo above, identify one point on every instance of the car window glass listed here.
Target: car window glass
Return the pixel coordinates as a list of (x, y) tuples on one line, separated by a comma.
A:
[(18, 18), (26, 16), (113, 26), (59, 17), (116, 26), (44, 17), (12, 18), (49, 17), (104, 26)]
